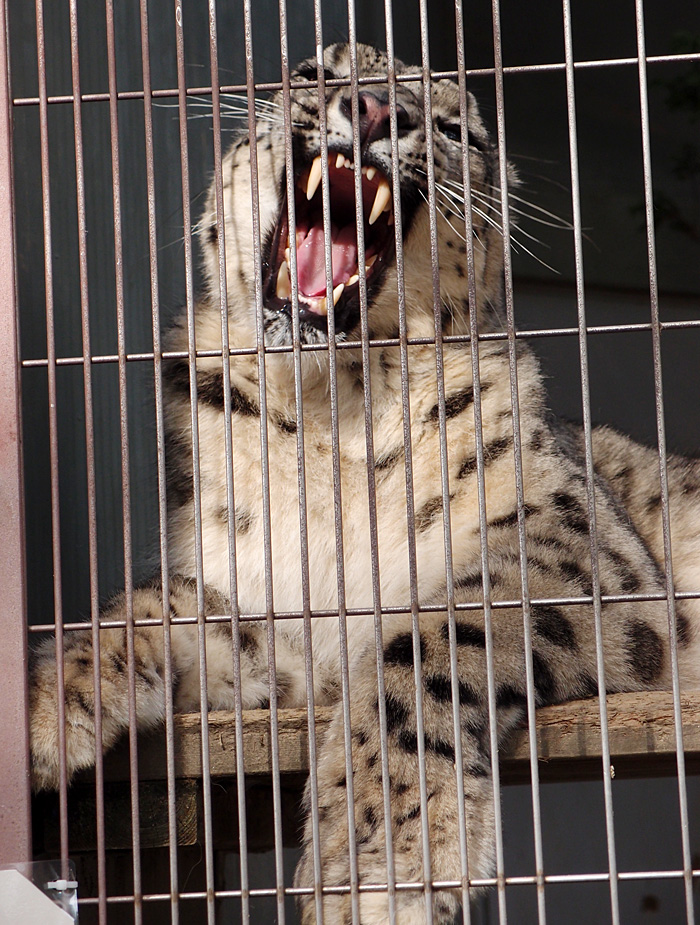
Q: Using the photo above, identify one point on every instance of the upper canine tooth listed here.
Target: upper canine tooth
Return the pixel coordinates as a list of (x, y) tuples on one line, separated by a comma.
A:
[(381, 201), (337, 292), (283, 290), (340, 160), (314, 177)]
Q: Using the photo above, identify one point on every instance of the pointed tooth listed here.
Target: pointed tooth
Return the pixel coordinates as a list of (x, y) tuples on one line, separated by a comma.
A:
[(284, 289), (340, 160), (371, 172), (337, 292), (321, 306), (287, 255), (381, 201), (353, 279), (314, 177), (369, 262)]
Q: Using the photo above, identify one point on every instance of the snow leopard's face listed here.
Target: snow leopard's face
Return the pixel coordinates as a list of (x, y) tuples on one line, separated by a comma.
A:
[(350, 269)]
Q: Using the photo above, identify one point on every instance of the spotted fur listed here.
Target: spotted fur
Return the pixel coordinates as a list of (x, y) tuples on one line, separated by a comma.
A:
[(630, 547)]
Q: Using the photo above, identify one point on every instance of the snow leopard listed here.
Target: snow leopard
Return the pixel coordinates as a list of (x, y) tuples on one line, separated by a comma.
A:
[(365, 565)]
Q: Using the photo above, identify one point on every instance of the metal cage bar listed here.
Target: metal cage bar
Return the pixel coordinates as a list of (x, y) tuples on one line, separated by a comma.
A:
[(90, 463), (271, 86), (590, 477), (663, 469), (196, 462), (168, 678), (369, 450), (378, 343)]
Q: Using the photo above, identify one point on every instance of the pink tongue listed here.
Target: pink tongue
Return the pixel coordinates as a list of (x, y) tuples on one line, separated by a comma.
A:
[(311, 264)]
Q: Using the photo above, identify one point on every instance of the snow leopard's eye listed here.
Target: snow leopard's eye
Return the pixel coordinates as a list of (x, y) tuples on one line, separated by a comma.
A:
[(309, 72), (451, 130)]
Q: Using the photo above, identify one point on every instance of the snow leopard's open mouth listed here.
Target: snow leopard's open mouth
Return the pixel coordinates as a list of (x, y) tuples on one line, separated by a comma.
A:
[(378, 214)]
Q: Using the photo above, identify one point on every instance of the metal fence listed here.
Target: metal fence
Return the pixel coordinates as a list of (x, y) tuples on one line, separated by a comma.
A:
[(98, 199)]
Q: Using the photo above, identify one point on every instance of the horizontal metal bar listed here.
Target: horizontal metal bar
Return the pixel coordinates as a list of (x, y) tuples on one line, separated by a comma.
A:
[(386, 611), (405, 887), (385, 342), (400, 78)]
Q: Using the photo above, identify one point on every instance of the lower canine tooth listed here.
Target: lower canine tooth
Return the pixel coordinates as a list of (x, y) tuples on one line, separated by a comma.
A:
[(284, 289), (353, 279), (369, 263), (337, 292)]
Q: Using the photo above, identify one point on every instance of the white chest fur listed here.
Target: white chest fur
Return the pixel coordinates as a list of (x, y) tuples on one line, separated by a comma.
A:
[(292, 557)]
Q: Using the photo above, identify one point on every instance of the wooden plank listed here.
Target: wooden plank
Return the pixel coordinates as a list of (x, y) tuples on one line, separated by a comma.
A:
[(641, 728), (642, 743), (641, 733)]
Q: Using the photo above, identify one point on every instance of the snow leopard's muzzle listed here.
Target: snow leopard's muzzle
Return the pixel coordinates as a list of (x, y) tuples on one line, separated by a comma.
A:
[(378, 219)]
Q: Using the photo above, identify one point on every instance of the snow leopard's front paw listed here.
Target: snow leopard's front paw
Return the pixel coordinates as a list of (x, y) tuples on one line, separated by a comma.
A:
[(79, 698), (44, 719)]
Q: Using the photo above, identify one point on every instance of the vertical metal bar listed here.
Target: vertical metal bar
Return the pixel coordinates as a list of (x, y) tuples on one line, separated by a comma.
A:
[(371, 487), (512, 363), (90, 461), (301, 468), (15, 804), (517, 453), (663, 469), (194, 423), (264, 461), (337, 481), (125, 475), (168, 677), (408, 468), (53, 428), (590, 483), (478, 439), (442, 425), (228, 449)]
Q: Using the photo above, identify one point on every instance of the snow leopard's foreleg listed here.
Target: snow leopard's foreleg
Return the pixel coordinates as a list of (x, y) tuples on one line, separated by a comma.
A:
[(148, 662), (563, 667), (404, 760)]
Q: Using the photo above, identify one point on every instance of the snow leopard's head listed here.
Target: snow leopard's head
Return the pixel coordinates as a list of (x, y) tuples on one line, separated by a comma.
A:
[(337, 286)]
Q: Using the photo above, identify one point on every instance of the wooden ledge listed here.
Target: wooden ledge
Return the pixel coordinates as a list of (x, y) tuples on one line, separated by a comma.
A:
[(641, 735)]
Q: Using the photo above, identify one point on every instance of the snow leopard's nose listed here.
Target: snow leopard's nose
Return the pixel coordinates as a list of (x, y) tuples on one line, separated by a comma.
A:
[(374, 113)]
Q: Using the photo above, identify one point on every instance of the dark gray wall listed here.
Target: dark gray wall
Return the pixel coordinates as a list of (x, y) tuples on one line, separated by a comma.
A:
[(611, 193), (615, 268)]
